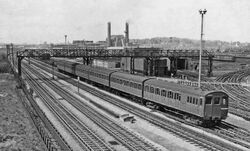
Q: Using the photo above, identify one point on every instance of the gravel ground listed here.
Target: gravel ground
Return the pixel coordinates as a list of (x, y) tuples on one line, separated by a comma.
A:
[(17, 132)]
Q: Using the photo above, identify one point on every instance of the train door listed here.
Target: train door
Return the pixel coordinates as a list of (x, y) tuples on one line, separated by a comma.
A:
[(208, 106), (224, 107), (216, 110)]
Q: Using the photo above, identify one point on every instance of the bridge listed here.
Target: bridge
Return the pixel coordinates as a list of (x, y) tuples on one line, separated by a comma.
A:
[(88, 53), (112, 52)]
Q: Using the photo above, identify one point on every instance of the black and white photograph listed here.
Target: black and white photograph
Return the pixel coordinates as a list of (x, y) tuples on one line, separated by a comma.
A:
[(124, 75)]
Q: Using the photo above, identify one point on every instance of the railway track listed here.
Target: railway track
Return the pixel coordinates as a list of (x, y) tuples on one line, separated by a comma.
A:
[(239, 96), (87, 139), (191, 136), (123, 135)]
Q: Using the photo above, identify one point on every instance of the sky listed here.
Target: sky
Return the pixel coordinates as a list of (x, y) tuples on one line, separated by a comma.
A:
[(37, 21)]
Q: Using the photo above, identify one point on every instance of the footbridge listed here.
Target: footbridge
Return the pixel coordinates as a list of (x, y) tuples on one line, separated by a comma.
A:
[(88, 53)]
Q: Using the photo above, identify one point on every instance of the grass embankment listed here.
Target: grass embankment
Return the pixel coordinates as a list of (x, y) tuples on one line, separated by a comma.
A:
[(4, 64)]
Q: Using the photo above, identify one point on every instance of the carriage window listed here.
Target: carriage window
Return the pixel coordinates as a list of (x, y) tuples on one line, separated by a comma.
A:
[(179, 97), (200, 101), (208, 100), (169, 94), (152, 89), (216, 100), (147, 88), (175, 95), (196, 101), (131, 84), (163, 93), (139, 86), (135, 85), (157, 91), (193, 100), (188, 99)]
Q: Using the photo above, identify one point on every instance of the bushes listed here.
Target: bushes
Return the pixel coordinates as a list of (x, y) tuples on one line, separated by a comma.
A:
[(3, 56), (4, 65)]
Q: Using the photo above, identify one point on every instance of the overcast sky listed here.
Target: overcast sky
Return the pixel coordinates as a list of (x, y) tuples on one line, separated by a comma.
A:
[(36, 21)]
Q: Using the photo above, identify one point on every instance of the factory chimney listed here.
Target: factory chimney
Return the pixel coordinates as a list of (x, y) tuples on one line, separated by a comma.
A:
[(127, 34), (109, 35)]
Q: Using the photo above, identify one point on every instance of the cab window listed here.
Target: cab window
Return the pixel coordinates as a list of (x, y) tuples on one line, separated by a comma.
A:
[(208, 100), (216, 100)]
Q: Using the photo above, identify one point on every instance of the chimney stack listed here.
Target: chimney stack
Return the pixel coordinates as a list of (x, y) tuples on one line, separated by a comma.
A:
[(127, 34), (65, 36), (109, 34)]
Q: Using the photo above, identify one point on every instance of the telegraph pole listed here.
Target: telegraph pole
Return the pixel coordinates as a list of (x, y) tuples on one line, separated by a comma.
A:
[(202, 12)]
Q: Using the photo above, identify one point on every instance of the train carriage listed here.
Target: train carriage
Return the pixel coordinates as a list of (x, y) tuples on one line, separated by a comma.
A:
[(127, 83), (100, 75), (195, 104), (66, 66), (60, 65), (174, 96), (83, 71)]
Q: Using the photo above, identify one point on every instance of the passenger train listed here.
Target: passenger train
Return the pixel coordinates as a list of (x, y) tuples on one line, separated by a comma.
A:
[(198, 106)]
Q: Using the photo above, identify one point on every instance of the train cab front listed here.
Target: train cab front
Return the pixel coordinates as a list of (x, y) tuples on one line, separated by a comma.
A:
[(216, 107)]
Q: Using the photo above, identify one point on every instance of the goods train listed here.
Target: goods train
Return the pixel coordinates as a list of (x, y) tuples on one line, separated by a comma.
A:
[(198, 106)]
